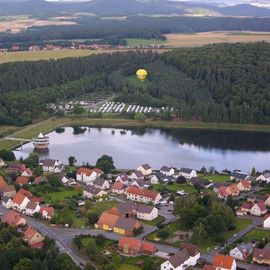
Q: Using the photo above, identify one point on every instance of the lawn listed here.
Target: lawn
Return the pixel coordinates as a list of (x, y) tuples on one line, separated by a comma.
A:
[(154, 222), (256, 234), (100, 207), (144, 42), (128, 267), (174, 187), (216, 177), (55, 197)]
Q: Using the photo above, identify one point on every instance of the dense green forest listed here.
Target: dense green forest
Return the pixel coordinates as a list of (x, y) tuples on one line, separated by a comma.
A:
[(217, 83), (116, 31), (16, 255)]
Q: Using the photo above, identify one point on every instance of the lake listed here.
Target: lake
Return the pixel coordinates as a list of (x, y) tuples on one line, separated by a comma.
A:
[(178, 148)]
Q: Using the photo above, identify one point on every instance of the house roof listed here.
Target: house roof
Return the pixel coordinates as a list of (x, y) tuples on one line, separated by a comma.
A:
[(49, 162), (40, 179), (148, 247), (93, 190), (132, 243), (245, 247), (88, 172), (223, 261), (245, 183), (262, 253), (118, 186), (17, 166), (11, 217), (191, 249), (2, 182), (266, 174), (126, 207), (186, 170), (31, 206), (146, 166), (124, 177), (232, 189), (143, 208), (29, 232), (179, 258), (108, 219), (25, 192), (5, 199), (222, 192), (127, 224), (7, 188), (218, 184), (162, 177), (49, 210), (28, 171), (261, 205), (239, 175), (22, 180), (165, 169), (99, 182), (247, 205), (138, 174), (199, 181), (18, 198), (143, 192)]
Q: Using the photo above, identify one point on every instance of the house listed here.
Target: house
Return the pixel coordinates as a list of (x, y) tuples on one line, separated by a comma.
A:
[(51, 165), (258, 209), (123, 178), (143, 195), (222, 262), (168, 171), (244, 185), (146, 212), (40, 180), (22, 180), (245, 209), (16, 167), (264, 178), (32, 208), (133, 247), (126, 226), (186, 257), (13, 218), (145, 169), (118, 188), (107, 221), (33, 237), (127, 209), (2, 182), (46, 212), (242, 251), (201, 183), (30, 196), (160, 178), (101, 183), (232, 190), (139, 183), (137, 176), (2, 163), (221, 192), (87, 176), (266, 222), (187, 173), (7, 191), (19, 202), (91, 192), (7, 202), (262, 255), (239, 176), (27, 172)]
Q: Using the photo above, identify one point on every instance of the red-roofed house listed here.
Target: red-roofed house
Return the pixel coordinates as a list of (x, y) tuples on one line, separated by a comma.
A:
[(224, 262), (232, 190), (87, 176), (13, 218), (16, 167), (134, 246), (7, 191), (46, 212), (221, 192), (33, 237), (143, 195), (259, 209), (27, 173), (244, 185), (245, 209), (22, 180), (19, 202), (118, 188)]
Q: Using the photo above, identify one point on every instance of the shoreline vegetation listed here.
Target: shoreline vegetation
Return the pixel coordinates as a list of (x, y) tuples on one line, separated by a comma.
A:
[(46, 126)]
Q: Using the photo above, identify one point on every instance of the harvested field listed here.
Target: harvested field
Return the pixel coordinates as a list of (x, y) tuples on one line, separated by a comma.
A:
[(200, 39)]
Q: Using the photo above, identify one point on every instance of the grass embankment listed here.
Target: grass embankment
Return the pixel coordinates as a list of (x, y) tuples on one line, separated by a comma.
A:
[(45, 126)]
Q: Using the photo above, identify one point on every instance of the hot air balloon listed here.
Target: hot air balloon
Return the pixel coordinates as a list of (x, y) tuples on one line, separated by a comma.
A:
[(141, 74)]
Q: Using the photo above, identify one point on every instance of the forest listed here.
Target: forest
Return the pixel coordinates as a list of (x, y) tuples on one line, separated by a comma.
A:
[(16, 255), (116, 31), (227, 83)]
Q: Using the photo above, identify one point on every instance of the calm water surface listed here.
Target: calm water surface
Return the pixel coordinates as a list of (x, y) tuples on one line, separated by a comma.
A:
[(178, 148)]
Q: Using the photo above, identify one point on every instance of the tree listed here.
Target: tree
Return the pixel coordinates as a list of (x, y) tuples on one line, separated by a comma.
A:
[(91, 251), (163, 234), (140, 117), (253, 172), (211, 169), (203, 170), (23, 264), (100, 239), (7, 155), (54, 180), (149, 264), (199, 233), (105, 163), (72, 160), (89, 266), (77, 240), (181, 180), (92, 218), (32, 161)]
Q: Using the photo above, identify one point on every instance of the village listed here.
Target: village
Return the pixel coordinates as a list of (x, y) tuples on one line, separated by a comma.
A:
[(134, 212)]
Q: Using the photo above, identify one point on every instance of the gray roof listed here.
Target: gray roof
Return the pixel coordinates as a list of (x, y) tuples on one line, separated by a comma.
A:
[(126, 207), (199, 181), (266, 174), (99, 182), (48, 162), (179, 258), (93, 190), (143, 208), (218, 184), (124, 177), (31, 205), (186, 170), (6, 199), (165, 169), (138, 174), (239, 175), (146, 166), (127, 224), (245, 247)]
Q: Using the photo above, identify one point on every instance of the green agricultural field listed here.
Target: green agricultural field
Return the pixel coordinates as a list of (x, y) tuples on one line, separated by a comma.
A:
[(256, 234), (144, 42)]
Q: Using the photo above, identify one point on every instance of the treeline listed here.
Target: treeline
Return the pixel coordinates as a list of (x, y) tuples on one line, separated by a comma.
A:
[(219, 83), (16, 255)]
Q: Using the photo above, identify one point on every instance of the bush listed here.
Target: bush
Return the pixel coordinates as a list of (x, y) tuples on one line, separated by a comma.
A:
[(163, 234)]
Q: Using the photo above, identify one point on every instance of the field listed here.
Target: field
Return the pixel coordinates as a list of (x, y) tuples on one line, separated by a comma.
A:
[(55, 197), (200, 39), (175, 187), (48, 125), (144, 42), (256, 234), (216, 177)]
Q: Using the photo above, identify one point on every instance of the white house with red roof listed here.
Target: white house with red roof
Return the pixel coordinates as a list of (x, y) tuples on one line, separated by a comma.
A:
[(19, 202), (266, 222), (87, 176), (244, 185), (259, 209), (145, 169), (27, 172), (118, 188), (32, 208), (46, 212), (143, 195), (222, 262), (33, 237)]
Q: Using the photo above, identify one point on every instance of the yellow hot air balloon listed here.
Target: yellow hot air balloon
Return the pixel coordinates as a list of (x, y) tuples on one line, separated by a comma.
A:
[(141, 74)]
